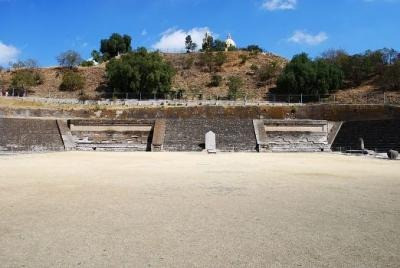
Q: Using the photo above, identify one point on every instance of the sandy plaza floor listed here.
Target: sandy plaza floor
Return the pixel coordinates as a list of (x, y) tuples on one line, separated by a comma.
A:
[(92, 209)]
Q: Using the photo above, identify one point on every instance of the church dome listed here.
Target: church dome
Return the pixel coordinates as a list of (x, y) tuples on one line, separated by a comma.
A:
[(229, 42)]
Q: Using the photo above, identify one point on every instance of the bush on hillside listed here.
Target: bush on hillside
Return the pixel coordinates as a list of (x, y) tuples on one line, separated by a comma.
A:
[(87, 63), (216, 80), (235, 86), (72, 81), (267, 72), (391, 77), (243, 58), (141, 72), (24, 79)]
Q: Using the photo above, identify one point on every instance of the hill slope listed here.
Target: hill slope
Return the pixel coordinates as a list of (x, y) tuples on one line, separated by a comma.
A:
[(192, 78)]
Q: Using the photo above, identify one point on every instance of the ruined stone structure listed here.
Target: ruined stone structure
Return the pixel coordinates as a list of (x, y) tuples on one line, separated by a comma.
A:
[(291, 135), (29, 135), (378, 135), (116, 135), (233, 135), (188, 134)]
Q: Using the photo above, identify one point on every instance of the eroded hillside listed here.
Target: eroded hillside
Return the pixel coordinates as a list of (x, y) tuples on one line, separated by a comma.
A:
[(192, 77)]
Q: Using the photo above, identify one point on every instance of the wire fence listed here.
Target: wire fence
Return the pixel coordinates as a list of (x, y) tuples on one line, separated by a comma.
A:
[(130, 99)]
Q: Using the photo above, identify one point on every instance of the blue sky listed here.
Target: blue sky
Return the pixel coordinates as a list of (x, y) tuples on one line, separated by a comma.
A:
[(42, 29)]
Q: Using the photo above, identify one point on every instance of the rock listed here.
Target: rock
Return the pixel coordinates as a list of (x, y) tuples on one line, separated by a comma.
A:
[(393, 155), (211, 146)]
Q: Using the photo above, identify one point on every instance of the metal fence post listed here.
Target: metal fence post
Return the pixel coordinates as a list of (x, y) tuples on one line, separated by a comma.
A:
[(384, 98), (301, 98)]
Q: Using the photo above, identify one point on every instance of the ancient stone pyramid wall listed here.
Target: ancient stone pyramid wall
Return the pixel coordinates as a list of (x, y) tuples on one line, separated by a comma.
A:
[(378, 135), (30, 135), (232, 135)]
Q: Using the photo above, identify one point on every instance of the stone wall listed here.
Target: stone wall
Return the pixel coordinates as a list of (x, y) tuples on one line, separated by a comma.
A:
[(232, 135), (29, 135), (291, 135), (317, 112), (112, 135), (378, 135)]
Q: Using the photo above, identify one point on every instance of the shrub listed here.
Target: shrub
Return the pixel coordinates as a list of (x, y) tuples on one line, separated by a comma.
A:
[(87, 63), (215, 80), (235, 85), (267, 72), (243, 58), (254, 68), (72, 81), (188, 62), (219, 59), (25, 79), (206, 59)]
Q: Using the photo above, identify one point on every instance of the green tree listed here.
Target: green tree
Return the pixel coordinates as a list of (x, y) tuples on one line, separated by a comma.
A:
[(253, 48), (218, 45), (141, 72), (235, 85), (115, 45), (305, 76), (391, 77), (208, 42), (72, 81), (189, 44), (97, 56), (87, 63), (69, 59)]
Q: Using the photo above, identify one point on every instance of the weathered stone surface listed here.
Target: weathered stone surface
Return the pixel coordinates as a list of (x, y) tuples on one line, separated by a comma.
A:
[(232, 135), (211, 145), (379, 135), (112, 135), (157, 144), (392, 154), (29, 135), (292, 135)]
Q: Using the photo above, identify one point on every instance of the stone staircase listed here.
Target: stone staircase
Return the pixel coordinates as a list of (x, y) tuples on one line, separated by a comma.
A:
[(232, 135), (378, 135), (29, 135)]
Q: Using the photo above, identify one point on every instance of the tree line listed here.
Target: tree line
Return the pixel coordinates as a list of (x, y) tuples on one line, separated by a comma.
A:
[(336, 69)]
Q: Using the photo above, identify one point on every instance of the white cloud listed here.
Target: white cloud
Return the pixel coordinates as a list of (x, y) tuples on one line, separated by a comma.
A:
[(279, 4), (302, 37), (173, 40), (8, 53), (144, 32)]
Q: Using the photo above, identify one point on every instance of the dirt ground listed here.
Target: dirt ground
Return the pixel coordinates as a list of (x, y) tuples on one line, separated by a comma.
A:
[(197, 210)]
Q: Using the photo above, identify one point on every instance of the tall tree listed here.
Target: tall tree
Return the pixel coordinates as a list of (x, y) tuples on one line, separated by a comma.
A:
[(189, 44), (208, 42), (140, 72), (69, 59)]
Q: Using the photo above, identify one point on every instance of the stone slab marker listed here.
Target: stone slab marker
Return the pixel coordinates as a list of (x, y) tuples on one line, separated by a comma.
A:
[(211, 144)]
